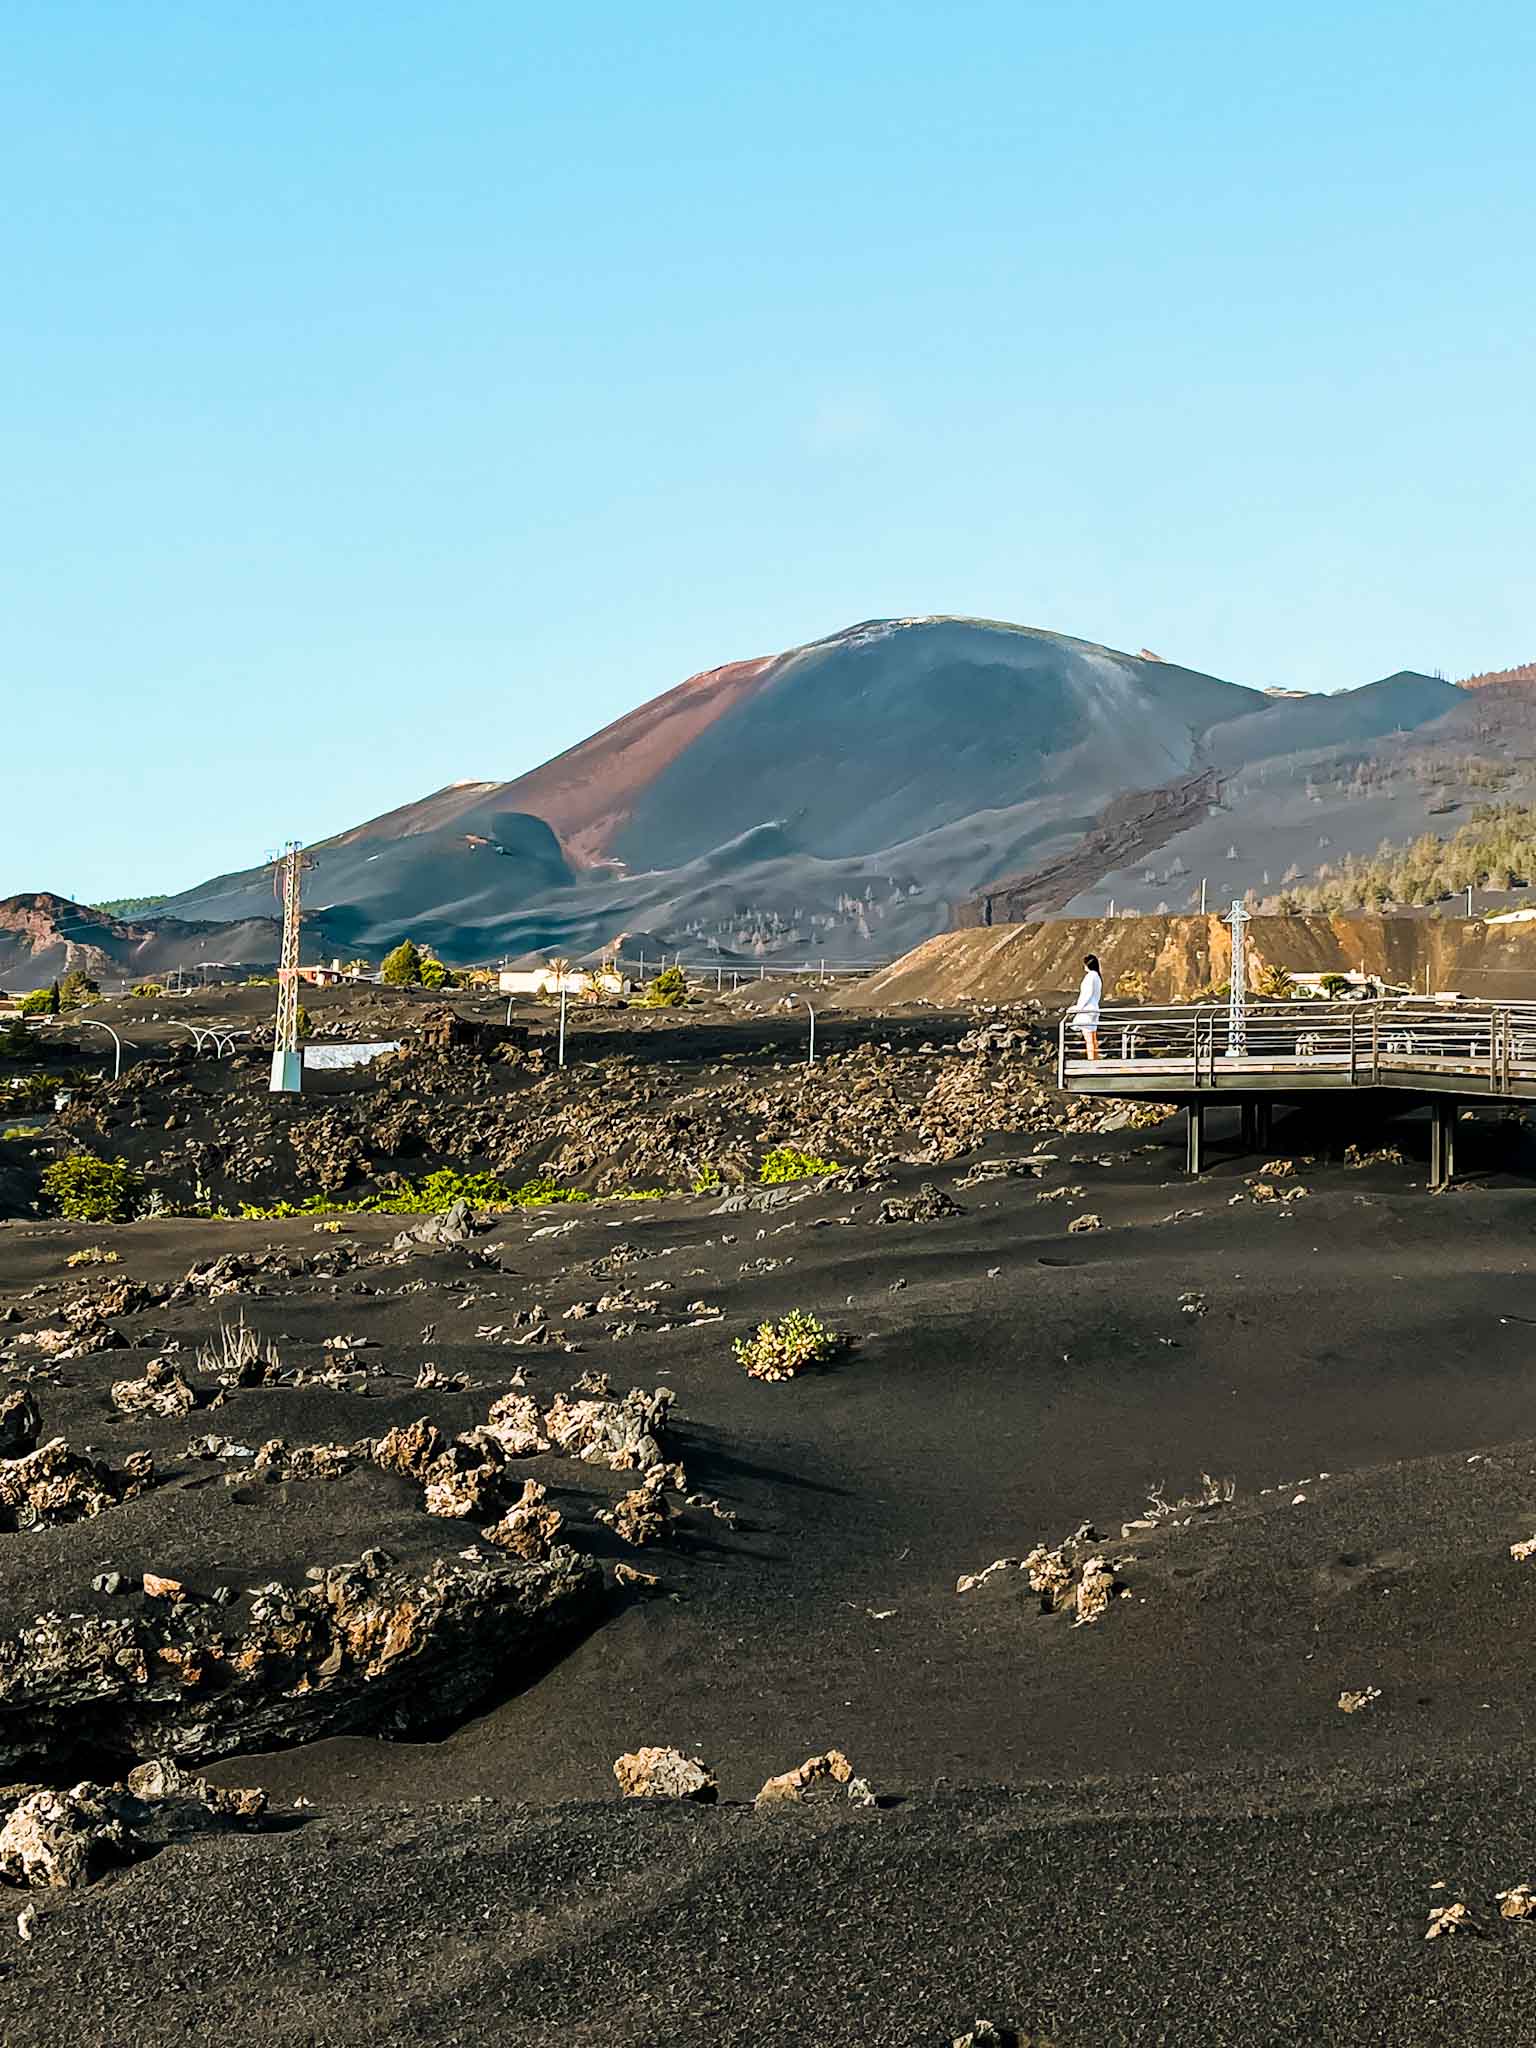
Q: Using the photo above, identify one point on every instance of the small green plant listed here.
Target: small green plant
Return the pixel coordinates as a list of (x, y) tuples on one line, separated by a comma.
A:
[(148, 988), (707, 1180), (91, 1190), (777, 1351), (433, 974), (402, 967), (784, 1162), (667, 991), (1336, 985), (304, 1022), (39, 1003)]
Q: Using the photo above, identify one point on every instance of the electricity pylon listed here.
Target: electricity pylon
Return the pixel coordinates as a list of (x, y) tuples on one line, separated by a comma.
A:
[(287, 1060), (1237, 998)]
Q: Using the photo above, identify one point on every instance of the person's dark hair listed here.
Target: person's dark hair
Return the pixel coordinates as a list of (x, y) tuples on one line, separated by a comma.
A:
[(1091, 960)]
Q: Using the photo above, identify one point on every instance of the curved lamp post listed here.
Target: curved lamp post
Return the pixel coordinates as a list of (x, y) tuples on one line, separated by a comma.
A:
[(117, 1043), (796, 997)]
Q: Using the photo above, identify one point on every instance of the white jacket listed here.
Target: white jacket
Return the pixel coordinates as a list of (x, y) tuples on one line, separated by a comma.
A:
[(1086, 1016)]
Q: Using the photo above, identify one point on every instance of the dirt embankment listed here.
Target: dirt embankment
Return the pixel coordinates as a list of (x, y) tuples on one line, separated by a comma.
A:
[(1178, 956)]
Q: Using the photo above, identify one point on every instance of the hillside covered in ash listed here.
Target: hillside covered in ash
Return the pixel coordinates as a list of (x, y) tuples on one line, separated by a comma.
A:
[(851, 797)]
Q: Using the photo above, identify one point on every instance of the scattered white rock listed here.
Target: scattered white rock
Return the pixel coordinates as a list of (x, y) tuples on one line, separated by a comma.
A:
[(1356, 1702)]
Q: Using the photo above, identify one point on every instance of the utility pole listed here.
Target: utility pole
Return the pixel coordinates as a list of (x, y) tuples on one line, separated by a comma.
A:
[(287, 1060), (1202, 896), (1237, 1000)]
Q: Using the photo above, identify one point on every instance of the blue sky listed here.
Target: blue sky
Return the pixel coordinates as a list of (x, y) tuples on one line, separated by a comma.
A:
[(394, 394)]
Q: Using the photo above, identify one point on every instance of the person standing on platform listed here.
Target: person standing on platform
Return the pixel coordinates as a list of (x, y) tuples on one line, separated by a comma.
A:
[(1085, 1017)]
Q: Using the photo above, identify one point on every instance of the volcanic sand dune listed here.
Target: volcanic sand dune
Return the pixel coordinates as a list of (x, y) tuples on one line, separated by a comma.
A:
[(1157, 1827)]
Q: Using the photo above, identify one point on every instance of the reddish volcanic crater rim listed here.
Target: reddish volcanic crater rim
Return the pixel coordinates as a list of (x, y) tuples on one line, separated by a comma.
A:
[(586, 794)]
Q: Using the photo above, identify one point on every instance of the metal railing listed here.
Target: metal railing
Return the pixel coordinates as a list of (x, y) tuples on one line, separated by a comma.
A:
[(1370, 1042), (735, 975)]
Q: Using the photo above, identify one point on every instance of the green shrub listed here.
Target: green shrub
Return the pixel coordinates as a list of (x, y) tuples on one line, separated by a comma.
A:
[(1336, 985), (304, 1022), (667, 990), (434, 974), (39, 1003), (777, 1351), (149, 988), (707, 1180), (439, 1191), (402, 967), (92, 1190), (785, 1163), (1274, 984), (30, 1091)]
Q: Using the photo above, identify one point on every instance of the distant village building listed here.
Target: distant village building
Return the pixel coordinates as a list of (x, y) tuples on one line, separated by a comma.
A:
[(334, 975), (590, 983)]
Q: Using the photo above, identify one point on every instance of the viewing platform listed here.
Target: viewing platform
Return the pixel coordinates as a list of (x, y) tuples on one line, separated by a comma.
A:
[(1254, 1054)]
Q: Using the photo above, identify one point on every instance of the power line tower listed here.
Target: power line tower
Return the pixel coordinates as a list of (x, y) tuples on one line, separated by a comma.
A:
[(287, 1060), (1237, 1000)]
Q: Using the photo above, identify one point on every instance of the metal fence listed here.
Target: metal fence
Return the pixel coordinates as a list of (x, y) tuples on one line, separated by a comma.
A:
[(1372, 1043)]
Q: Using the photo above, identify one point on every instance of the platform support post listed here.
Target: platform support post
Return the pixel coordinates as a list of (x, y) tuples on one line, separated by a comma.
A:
[(1194, 1157), (1442, 1141), (1249, 1127), (1264, 1123)]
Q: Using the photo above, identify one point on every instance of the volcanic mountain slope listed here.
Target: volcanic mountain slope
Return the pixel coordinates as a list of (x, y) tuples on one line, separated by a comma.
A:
[(42, 936), (840, 799), (453, 864)]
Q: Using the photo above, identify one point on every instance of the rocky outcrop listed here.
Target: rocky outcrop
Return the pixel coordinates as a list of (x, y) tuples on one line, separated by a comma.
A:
[(55, 1839), (665, 1774), (54, 1484), (790, 1787), (360, 1646)]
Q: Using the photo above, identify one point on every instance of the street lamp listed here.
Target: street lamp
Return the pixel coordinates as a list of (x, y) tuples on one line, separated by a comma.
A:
[(562, 968), (796, 997)]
